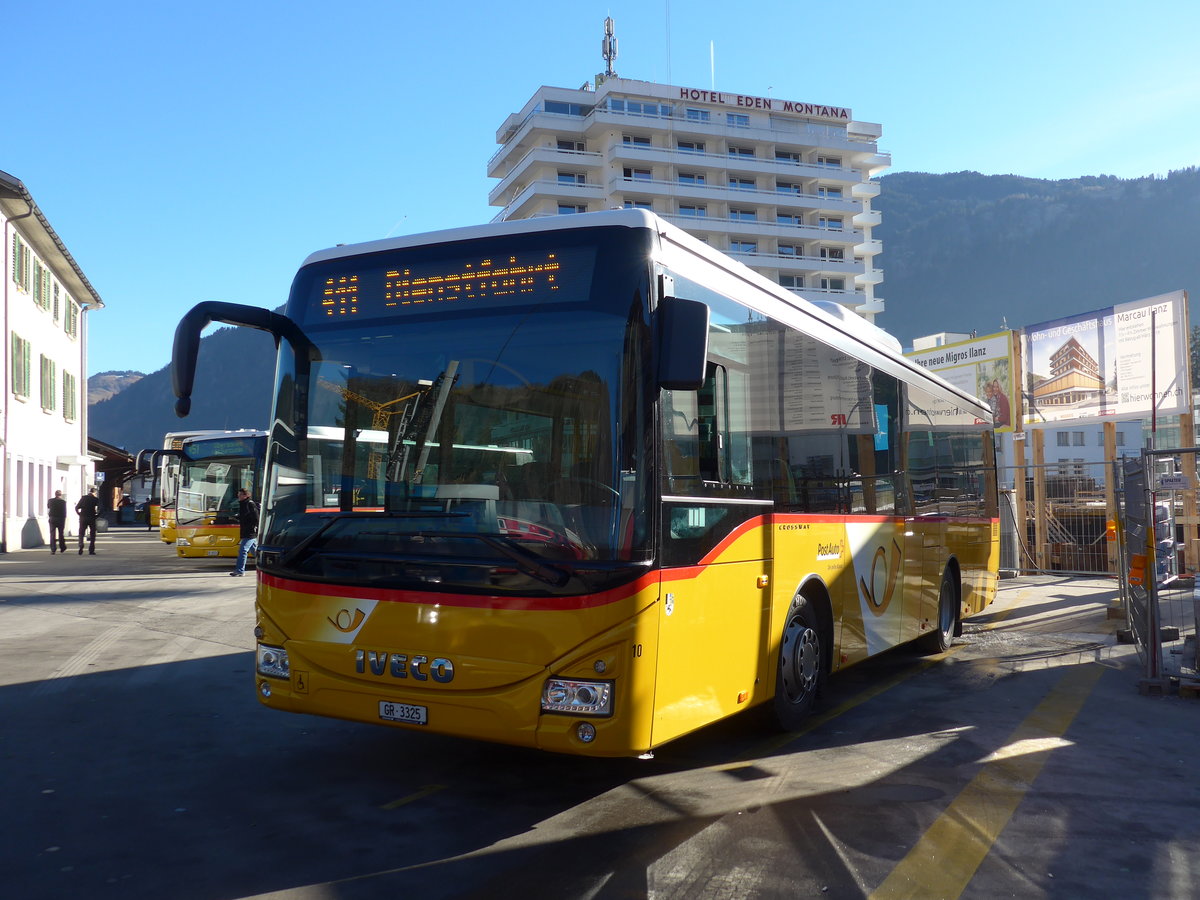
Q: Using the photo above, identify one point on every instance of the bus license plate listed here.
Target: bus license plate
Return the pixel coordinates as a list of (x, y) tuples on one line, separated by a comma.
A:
[(403, 712), (213, 553)]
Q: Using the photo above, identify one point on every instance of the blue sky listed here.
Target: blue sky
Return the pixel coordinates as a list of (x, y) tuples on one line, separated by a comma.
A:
[(191, 152)]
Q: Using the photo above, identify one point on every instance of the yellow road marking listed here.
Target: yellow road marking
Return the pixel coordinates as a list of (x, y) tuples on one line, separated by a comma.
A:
[(412, 798), (945, 858)]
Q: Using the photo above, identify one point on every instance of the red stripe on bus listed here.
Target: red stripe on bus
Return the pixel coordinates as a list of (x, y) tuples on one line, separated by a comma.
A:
[(470, 601)]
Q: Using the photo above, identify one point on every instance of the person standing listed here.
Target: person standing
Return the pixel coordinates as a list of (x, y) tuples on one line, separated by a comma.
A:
[(88, 508), (56, 512), (247, 516)]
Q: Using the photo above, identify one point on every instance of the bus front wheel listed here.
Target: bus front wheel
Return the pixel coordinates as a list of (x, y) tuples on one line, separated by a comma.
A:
[(801, 672), (942, 636)]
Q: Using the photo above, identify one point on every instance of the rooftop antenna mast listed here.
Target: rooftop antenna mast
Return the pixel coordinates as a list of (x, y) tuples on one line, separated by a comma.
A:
[(608, 49)]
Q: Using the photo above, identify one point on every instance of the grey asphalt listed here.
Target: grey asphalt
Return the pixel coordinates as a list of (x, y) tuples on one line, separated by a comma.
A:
[(136, 762)]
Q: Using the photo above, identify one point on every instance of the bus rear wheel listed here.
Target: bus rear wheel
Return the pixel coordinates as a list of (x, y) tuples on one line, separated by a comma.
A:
[(801, 672), (942, 636)]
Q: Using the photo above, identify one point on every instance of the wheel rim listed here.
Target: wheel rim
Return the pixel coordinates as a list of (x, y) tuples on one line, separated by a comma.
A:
[(801, 658)]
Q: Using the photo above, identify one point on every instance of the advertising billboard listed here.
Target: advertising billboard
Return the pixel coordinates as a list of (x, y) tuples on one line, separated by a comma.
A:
[(1110, 363), (981, 366)]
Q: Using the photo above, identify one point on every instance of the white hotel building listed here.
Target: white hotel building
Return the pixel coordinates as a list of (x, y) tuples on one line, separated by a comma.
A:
[(783, 186), (43, 357)]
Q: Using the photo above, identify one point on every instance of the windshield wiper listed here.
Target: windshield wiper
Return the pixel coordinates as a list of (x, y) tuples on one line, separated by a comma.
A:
[(295, 552), (527, 562)]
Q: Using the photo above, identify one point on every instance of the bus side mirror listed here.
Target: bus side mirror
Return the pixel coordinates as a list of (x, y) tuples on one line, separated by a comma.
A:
[(682, 343)]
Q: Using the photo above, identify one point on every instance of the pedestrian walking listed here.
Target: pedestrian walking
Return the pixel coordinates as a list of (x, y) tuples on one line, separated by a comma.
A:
[(88, 508), (56, 512), (247, 516)]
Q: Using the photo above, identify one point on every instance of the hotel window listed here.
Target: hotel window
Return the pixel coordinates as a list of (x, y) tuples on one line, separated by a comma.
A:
[(68, 398), (698, 115), (20, 267), (743, 247), (574, 146), (833, 284), (742, 184), (20, 366), (49, 389), (690, 146), (788, 187), (836, 253), (788, 219), (743, 215), (833, 193), (640, 108), (637, 174), (833, 162), (566, 209), (635, 140), (696, 210), (691, 178), (792, 282), (742, 151), (737, 120), (787, 156), (834, 223), (638, 204), (567, 109), (571, 178), (791, 250)]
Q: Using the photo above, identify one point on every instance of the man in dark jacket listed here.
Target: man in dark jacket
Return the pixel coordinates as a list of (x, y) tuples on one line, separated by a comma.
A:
[(88, 508), (247, 516), (56, 512)]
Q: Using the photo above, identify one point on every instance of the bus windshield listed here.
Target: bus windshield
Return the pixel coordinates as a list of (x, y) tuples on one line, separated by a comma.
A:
[(463, 407)]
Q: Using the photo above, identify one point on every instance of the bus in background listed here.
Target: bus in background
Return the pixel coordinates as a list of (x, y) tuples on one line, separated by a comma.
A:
[(716, 492), (162, 511), (213, 467)]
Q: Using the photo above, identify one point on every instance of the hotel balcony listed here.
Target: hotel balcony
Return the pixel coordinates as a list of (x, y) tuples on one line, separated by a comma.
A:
[(552, 159), (565, 192)]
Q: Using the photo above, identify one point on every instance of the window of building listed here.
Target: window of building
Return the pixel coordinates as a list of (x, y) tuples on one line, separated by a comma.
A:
[(742, 184), (787, 156), (788, 219), (788, 187), (568, 109), (690, 146), (743, 215), (692, 178), (741, 151), (1120, 439), (833, 193), (791, 250), (68, 398), (566, 209), (635, 140), (833, 284), (571, 178), (71, 316), (737, 120), (640, 107), (1062, 439), (56, 301), (693, 209), (836, 253), (1077, 438), (833, 162), (698, 115), (574, 146), (638, 204), (792, 282), (21, 258), (743, 247), (49, 387), (20, 366), (637, 174), (41, 284), (833, 223)]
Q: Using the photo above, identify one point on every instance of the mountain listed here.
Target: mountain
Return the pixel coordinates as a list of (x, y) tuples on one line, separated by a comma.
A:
[(104, 385), (235, 374), (962, 252), (968, 252)]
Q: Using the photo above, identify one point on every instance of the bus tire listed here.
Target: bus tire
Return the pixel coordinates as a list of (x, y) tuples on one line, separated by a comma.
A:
[(942, 635), (801, 673)]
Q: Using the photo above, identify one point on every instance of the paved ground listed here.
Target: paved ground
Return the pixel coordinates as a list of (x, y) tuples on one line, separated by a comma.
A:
[(135, 762)]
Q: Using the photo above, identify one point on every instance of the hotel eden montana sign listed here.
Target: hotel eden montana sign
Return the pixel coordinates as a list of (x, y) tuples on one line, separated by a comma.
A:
[(768, 103)]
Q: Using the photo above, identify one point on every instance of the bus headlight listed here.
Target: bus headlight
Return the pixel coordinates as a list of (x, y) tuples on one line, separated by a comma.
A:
[(272, 661), (182, 542), (588, 698)]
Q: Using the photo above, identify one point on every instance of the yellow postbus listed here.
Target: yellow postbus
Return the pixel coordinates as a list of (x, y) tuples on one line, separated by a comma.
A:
[(724, 493), (213, 467), (166, 469)]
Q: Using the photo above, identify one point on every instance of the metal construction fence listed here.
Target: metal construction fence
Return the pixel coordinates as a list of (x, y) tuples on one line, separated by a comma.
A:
[(1136, 520)]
